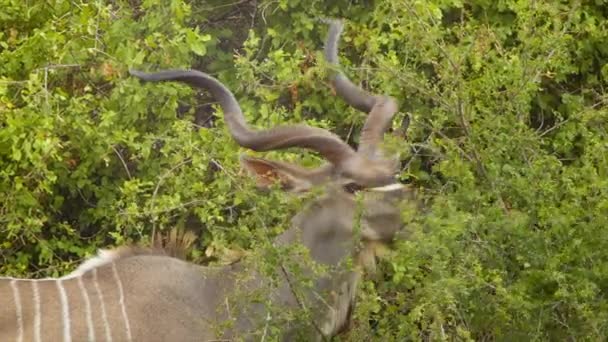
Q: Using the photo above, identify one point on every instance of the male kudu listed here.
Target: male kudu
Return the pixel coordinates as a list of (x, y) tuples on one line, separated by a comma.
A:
[(126, 295)]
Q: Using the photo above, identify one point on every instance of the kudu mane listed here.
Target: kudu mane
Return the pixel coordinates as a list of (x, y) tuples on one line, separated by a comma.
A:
[(174, 244)]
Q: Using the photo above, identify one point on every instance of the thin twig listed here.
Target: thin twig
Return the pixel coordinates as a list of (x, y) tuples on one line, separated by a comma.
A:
[(165, 210), (266, 327), (13, 82), (58, 66), (124, 164), (557, 125), (300, 303)]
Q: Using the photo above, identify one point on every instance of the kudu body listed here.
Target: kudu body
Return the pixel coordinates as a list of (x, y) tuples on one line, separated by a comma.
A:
[(124, 295)]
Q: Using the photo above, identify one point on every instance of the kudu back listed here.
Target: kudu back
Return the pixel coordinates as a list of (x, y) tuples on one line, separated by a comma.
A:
[(129, 295)]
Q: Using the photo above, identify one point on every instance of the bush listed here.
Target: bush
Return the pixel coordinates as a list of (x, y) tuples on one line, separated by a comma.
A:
[(508, 139)]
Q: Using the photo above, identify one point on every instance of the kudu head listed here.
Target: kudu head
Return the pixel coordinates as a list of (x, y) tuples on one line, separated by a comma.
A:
[(361, 186), (365, 170)]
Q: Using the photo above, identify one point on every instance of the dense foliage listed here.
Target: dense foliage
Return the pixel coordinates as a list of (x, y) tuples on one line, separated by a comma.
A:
[(507, 142)]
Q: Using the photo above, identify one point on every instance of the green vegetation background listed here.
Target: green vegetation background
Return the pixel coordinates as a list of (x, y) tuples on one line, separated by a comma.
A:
[(508, 140)]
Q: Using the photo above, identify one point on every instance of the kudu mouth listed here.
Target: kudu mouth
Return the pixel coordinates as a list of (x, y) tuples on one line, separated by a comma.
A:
[(388, 188)]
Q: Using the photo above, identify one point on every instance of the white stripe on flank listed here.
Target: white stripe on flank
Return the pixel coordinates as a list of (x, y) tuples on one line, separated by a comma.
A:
[(87, 307), (37, 319), (104, 316), (122, 302), (65, 311), (18, 311)]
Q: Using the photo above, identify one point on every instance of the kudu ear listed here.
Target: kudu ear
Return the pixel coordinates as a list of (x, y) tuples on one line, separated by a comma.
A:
[(292, 178)]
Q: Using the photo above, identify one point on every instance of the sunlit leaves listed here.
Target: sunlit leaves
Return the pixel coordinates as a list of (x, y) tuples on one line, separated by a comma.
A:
[(508, 139)]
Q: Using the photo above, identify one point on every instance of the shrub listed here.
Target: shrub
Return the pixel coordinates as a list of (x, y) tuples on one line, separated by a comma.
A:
[(507, 138)]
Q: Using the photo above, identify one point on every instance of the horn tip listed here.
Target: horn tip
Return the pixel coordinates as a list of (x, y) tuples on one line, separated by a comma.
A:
[(331, 43), (137, 73)]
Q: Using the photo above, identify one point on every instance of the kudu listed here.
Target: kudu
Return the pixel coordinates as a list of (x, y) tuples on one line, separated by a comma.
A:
[(126, 295)]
